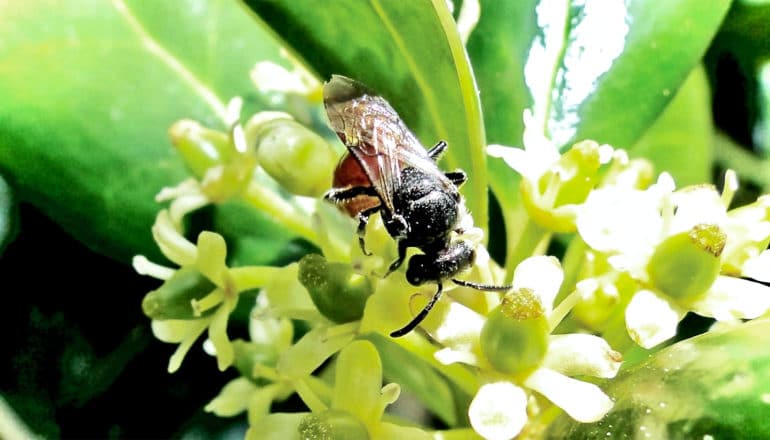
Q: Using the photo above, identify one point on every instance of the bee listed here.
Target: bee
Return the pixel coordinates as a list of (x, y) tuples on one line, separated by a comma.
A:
[(387, 170)]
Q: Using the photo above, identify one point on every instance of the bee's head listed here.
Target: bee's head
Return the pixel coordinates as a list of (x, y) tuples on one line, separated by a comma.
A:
[(420, 270)]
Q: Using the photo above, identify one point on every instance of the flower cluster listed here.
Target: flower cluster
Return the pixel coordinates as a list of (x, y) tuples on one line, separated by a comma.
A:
[(639, 252)]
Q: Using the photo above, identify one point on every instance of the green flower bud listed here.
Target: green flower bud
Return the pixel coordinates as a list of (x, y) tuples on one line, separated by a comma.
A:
[(339, 293), (515, 337), (201, 147), (173, 299), (686, 264), (332, 425), (299, 159)]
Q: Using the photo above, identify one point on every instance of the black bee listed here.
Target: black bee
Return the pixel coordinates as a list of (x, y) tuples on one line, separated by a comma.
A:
[(387, 170)]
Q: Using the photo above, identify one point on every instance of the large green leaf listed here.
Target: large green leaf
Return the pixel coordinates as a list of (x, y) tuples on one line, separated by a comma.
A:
[(711, 386), (89, 90), (410, 53), (607, 71), (681, 140), (624, 62)]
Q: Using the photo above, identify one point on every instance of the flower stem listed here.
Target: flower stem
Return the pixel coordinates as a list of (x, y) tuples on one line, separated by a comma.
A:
[(532, 240), (571, 263), (562, 309), (251, 277), (280, 210)]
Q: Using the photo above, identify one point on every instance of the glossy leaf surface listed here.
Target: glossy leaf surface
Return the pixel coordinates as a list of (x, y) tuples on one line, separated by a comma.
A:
[(408, 52), (89, 91), (712, 385)]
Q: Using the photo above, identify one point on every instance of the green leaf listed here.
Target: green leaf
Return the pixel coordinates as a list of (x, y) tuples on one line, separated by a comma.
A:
[(89, 91), (745, 30), (622, 63), (714, 385), (609, 69), (411, 54), (681, 140), (420, 379), (498, 49), (8, 214)]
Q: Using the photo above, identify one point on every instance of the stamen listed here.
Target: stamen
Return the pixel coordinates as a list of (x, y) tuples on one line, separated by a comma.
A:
[(208, 302)]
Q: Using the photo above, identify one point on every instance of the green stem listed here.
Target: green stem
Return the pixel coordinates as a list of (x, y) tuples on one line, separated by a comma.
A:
[(614, 331), (562, 309), (252, 277), (532, 239), (572, 263), (280, 210)]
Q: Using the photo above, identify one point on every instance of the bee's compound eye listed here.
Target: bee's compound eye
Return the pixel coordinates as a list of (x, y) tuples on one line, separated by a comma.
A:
[(417, 271)]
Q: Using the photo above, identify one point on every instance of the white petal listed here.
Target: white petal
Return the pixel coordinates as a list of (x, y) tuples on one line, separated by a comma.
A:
[(758, 267), (470, 11), (212, 251), (186, 187), (580, 354), (449, 356), (515, 158), (651, 319), (171, 241), (583, 401), (615, 219), (697, 205), (143, 266), (460, 327), (271, 77), (732, 298), (541, 274), (499, 411), (233, 399), (176, 330), (186, 204)]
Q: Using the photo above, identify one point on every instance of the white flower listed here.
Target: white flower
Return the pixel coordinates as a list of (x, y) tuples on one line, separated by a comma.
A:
[(553, 185), (498, 411), (629, 225), (271, 77), (537, 157)]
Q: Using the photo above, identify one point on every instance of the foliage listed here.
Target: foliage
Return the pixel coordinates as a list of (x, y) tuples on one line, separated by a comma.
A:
[(192, 134)]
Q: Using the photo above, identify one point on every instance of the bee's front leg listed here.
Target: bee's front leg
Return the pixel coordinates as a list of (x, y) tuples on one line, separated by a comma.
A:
[(363, 220), (402, 247), (338, 196)]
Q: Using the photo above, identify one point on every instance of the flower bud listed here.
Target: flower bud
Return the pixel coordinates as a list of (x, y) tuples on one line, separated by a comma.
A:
[(515, 337), (173, 299), (299, 159), (339, 293), (685, 265), (201, 147), (332, 425)]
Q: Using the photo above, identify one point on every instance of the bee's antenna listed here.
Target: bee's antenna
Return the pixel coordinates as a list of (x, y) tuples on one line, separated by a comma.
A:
[(420, 316), (482, 287), (764, 283)]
